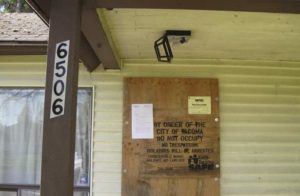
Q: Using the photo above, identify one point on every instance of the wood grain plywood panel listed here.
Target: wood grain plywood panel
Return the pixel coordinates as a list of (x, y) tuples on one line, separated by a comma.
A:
[(183, 158)]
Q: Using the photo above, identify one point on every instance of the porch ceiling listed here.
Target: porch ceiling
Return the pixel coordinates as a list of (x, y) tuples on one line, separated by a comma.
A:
[(239, 29), (215, 34)]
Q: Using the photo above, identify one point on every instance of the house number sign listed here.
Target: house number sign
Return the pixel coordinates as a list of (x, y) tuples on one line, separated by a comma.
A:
[(59, 79)]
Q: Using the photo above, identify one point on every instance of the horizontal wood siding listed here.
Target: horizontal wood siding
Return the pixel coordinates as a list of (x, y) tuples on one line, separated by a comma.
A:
[(107, 134), (260, 126)]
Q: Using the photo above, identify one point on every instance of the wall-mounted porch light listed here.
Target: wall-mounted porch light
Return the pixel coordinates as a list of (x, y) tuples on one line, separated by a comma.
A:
[(162, 45)]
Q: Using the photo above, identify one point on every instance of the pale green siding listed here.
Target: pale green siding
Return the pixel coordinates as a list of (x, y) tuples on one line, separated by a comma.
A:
[(260, 119)]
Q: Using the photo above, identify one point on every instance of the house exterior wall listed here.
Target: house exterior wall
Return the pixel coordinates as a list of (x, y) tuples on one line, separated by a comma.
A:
[(259, 108)]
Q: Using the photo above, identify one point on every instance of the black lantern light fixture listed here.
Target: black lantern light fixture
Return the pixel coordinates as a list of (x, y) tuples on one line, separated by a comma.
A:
[(162, 46)]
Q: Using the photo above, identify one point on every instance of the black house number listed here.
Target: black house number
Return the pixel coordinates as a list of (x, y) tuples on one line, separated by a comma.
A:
[(59, 79)]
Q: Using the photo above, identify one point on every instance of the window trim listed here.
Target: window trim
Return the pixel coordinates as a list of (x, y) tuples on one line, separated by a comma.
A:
[(17, 188)]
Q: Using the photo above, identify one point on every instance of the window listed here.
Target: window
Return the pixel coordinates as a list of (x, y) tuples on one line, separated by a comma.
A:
[(21, 129)]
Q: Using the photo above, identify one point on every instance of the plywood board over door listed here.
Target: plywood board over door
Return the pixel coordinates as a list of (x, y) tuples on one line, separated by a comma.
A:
[(183, 157)]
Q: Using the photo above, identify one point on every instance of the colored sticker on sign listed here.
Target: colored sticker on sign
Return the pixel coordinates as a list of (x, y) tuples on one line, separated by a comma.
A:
[(59, 79), (199, 105)]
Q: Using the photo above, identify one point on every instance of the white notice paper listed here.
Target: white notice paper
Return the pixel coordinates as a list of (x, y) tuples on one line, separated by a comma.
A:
[(142, 121)]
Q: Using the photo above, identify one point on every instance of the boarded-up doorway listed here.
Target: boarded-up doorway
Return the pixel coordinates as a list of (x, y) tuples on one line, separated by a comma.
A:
[(183, 157)]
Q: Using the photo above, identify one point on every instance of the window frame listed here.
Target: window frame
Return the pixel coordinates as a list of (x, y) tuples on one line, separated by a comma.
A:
[(17, 188)]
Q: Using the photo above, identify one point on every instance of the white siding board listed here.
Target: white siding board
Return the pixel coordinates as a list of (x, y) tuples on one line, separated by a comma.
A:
[(107, 135), (107, 106), (108, 115), (288, 157), (107, 194), (232, 178), (113, 125), (106, 157), (260, 99), (107, 166), (107, 189), (109, 95), (107, 146), (109, 178)]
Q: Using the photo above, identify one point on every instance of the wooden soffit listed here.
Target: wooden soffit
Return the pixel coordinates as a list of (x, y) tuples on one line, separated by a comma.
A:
[(274, 6), (96, 48)]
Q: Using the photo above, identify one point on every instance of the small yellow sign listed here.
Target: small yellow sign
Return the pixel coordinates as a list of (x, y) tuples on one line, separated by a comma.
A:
[(199, 105)]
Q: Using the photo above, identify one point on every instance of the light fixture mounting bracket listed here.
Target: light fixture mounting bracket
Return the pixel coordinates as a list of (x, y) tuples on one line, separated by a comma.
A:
[(162, 46)]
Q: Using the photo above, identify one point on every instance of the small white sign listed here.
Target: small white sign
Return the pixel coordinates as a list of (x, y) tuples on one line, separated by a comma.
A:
[(142, 121), (59, 79), (199, 105)]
